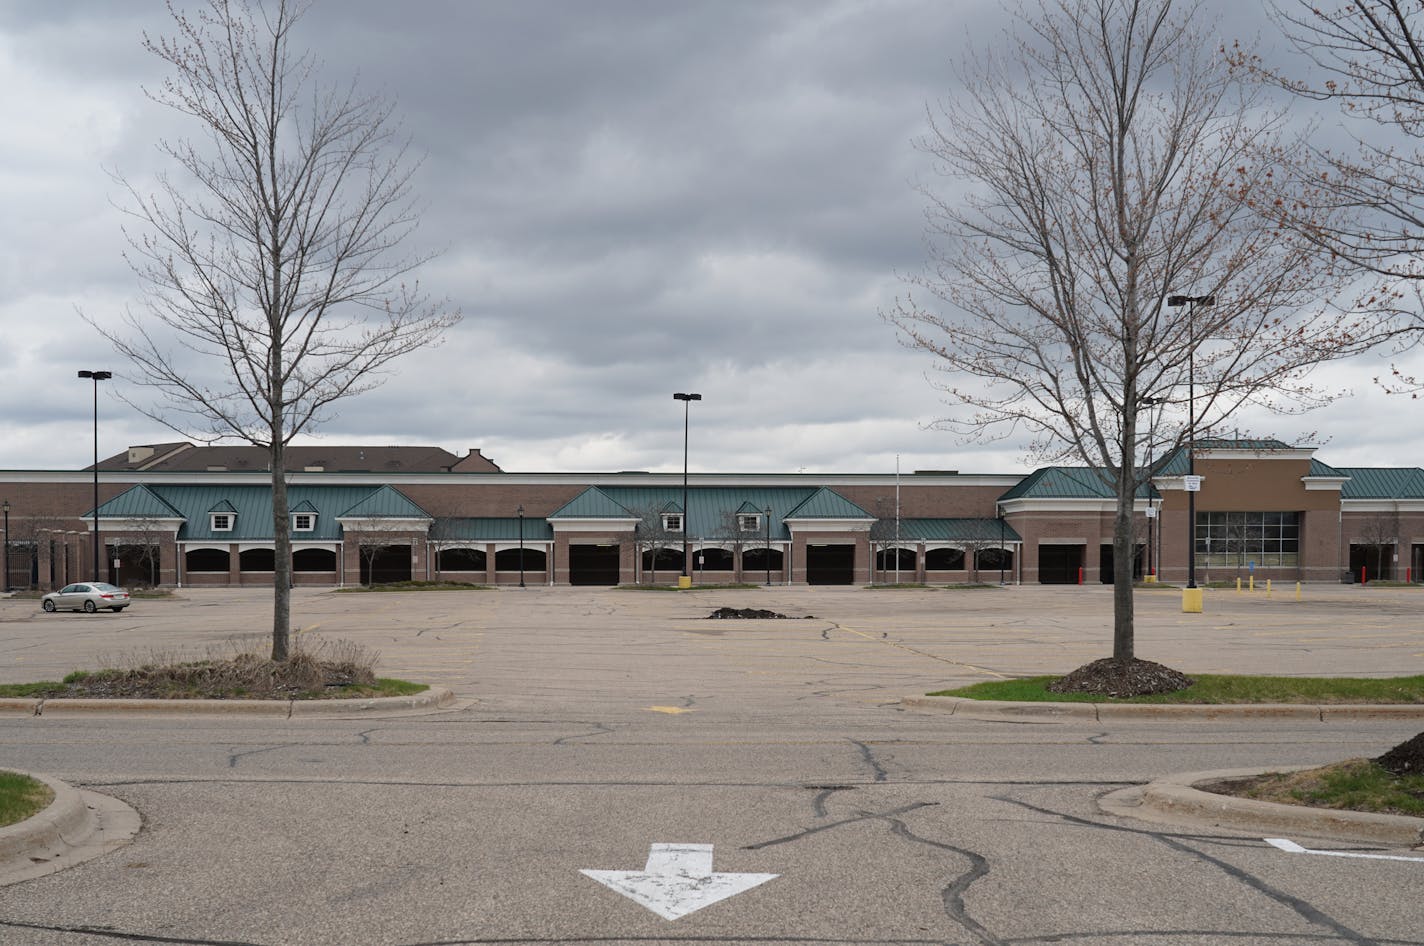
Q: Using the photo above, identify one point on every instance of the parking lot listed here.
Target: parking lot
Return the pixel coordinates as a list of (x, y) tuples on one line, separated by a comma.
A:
[(596, 725)]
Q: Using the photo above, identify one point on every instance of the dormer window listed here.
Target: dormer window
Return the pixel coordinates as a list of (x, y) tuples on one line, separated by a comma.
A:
[(672, 521), (303, 522), (222, 521), (748, 523)]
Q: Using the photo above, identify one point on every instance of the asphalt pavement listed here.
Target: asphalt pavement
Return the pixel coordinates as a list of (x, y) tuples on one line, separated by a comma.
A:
[(594, 725)]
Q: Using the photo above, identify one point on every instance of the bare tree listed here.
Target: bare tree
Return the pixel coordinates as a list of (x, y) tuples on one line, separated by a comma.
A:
[(275, 285), (1366, 207), (884, 535), (730, 534), (650, 535), (141, 542), (1110, 161), (1378, 534)]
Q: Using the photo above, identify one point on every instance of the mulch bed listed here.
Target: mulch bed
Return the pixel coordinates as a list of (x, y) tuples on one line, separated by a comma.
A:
[(1407, 758), (247, 677), (1119, 678)]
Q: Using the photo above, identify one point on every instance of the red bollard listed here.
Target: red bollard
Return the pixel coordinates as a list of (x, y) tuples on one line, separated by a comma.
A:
[(1362, 574), (1080, 574)]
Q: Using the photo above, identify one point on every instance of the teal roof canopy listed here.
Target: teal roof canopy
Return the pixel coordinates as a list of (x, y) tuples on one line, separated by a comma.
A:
[(827, 504)]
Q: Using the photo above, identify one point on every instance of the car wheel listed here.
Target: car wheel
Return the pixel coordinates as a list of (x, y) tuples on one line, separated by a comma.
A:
[(49, 606), (90, 607)]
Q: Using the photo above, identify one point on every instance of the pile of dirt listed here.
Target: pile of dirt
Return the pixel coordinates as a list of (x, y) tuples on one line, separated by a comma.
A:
[(1119, 678), (723, 614), (1407, 758)]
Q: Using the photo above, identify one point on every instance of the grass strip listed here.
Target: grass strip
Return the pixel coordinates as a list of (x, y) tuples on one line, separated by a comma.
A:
[(1354, 785), (1213, 688), (21, 797)]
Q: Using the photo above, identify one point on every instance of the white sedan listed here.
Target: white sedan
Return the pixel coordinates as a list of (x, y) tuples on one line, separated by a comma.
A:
[(87, 596)]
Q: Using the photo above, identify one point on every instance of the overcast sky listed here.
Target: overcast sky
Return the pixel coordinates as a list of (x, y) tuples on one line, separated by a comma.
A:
[(631, 199)]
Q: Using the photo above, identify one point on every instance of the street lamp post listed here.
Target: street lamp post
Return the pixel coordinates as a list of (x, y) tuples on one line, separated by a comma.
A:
[(1000, 511), (6, 507), (1149, 403), (686, 400), (768, 546), (97, 376), (520, 511), (1191, 302)]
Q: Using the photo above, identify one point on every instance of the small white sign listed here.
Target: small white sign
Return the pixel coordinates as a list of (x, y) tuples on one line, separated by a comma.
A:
[(1151, 512), (677, 880), (1192, 484)]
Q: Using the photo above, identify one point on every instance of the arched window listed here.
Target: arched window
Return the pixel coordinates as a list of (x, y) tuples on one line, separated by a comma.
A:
[(944, 560), (885, 559), (663, 560), (712, 560), (257, 560), (507, 560), (207, 560), (989, 559), (462, 560), (760, 559), (313, 560)]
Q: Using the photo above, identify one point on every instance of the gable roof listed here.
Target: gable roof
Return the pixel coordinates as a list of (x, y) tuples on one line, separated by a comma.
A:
[(385, 503), (748, 508), (827, 504), (137, 502), (1068, 482), (592, 503), (222, 506)]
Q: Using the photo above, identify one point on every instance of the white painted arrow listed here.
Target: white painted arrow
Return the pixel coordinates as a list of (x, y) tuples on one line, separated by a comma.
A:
[(1290, 847), (677, 880)]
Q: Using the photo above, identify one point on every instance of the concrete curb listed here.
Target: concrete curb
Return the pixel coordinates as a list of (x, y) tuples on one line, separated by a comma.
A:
[(66, 817), (1004, 709), (1174, 799), (75, 827), (432, 699)]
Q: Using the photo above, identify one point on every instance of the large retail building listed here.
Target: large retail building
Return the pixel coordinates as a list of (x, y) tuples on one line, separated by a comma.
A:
[(182, 515)]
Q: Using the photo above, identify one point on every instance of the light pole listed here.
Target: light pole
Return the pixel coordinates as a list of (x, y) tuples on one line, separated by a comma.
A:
[(6, 507), (97, 376), (1149, 403), (768, 546), (1000, 511), (686, 400), (1191, 302), (520, 512)]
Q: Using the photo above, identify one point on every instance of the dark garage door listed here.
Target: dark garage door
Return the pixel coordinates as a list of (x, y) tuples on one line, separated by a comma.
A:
[(385, 564), (593, 564), (830, 564), (1059, 564)]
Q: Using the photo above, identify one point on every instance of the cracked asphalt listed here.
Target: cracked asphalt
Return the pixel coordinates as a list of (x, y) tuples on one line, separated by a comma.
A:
[(605, 721)]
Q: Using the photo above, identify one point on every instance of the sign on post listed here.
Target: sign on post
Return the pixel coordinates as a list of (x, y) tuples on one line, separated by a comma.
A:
[(1192, 484)]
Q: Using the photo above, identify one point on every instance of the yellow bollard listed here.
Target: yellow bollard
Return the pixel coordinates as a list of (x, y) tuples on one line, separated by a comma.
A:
[(1268, 587), (684, 581), (1297, 591), (1253, 582), (1191, 601), (1238, 584)]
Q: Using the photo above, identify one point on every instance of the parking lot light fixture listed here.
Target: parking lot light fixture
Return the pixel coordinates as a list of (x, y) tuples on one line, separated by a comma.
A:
[(686, 400), (520, 512), (96, 376), (6, 507), (1191, 302)]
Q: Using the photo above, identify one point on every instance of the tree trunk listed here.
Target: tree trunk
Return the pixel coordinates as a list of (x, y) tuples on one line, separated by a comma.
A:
[(282, 567)]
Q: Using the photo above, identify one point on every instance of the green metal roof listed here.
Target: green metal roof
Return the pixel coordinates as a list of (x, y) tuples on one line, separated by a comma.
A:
[(1370, 482), (1068, 482), (138, 502), (250, 507), (1175, 463), (957, 530), (386, 503), (709, 506), (303, 506), (1318, 468), (827, 504), (490, 530), (592, 503)]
